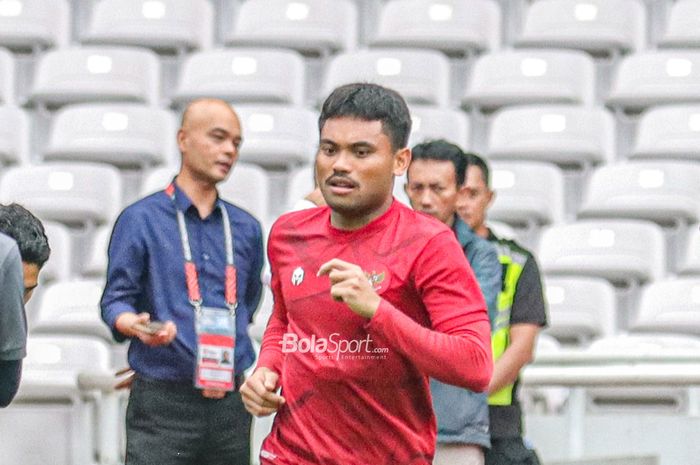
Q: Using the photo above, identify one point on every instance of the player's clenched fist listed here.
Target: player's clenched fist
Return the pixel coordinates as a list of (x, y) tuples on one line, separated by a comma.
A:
[(258, 393), (350, 285)]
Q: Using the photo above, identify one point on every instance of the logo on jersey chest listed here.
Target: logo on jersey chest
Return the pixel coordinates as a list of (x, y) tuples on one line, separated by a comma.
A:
[(297, 276)]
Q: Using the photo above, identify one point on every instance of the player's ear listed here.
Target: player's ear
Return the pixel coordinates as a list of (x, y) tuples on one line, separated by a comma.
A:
[(402, 158)]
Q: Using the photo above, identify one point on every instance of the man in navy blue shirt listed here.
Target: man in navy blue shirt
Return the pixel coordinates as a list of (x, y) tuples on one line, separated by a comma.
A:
[(170, 420)]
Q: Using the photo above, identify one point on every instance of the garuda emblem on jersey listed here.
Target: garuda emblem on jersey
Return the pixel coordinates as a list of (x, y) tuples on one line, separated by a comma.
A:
[(375, 279)]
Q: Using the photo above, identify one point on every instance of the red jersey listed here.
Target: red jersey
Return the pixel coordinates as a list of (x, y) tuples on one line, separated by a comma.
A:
[(356, 389)]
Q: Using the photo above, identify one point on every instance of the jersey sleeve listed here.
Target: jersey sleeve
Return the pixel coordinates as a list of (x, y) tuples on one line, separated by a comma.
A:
[(528, 303), (271, 355), (13, 322), (457, 348)]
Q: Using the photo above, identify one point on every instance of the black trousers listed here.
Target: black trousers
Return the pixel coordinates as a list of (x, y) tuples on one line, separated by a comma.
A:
[(510, 451), (173, 424)]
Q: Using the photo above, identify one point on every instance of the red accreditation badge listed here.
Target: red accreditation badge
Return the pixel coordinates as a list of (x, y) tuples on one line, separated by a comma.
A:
[(216, 340)]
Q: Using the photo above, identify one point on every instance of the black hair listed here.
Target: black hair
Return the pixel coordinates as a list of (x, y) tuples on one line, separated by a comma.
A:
[(442, 150), (370, 102), (476, 160), (27, 231)]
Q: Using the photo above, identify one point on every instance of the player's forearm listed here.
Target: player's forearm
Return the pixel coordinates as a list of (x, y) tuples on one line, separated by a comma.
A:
[(462, 358), (507, 368), (271, 355)]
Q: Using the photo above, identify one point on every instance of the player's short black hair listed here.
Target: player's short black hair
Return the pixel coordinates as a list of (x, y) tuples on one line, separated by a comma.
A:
[(442, 150), (27, 231), (370, 102)]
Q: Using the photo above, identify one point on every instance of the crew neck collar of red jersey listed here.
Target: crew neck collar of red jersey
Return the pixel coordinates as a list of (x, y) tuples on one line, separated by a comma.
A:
[(373, 226)]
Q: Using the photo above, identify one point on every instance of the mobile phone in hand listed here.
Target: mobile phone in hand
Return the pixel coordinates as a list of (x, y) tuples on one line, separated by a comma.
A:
[(151, 327)]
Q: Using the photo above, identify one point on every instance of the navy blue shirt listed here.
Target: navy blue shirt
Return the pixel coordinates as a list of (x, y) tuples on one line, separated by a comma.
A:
[(146, 274)]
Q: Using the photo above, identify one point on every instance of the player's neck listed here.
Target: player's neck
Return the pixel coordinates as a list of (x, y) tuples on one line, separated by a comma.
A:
[(202, 194), (349, 222)]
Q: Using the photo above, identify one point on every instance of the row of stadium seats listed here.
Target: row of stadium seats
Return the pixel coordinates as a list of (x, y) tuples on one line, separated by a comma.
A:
[(497, 79), (332, 25)]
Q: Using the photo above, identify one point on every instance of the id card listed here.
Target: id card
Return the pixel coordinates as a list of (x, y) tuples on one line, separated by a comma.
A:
[(216, 339)]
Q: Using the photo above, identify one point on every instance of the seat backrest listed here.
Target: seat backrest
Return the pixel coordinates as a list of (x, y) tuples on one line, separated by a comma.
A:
[(120, 134), (430, 122), (95, 264), (72, 193), (620, 251), (159, 24), (420, 76), (243, 75), (690, 264), (63, 353), (451, 26), (300, 184), (529, 77), (303, 25), (594, 26), (683, 25), (7, 77), (35, 23), (669, 306), (668, 132), (92, 73), (278, 135), (14, 135), (562, 134), (664, 192), (59, 267)]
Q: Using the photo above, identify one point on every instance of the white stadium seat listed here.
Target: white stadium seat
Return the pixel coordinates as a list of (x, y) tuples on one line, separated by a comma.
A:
[(59, 267), (668, 132), (528, 194), (596, 26), (32, 24), (319, 26), (420, 76), (430, 122), (669, 306), (168, 25), (580, 309), (7, 77), (690, 263), (92, 73), (277, 135), (529, 77), (301, 182), (72, 193), (655, 78), (452, 26), (617, 250), (243, 75), (561, 134), (664, 192), (14, 135), (683, 25), (120, 134), (95, 265)]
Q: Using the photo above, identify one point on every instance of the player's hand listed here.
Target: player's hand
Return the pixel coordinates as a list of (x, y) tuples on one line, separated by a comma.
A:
[(349, 284), (258, 393), (164, 336)]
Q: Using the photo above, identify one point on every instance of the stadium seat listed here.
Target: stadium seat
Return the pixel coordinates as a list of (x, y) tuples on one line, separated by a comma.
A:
[(124, 135), (163, 25), (14, 135), (529, 77), (50, 401), (690, 263), (664, 192), (429, 122), (561, 134), (595, 26), (95, 265), (34, 24), (451, 26), (682, 26), (421, 76), (7, 77), (301, 182), (669, 306), (528, 194), (102, 74), (247, 187), (621, 251), (308, 26), (59, 267), (71, 193), (580, 309), (502, 230), (668, 132), (655, 78), (277, 135), (243, 75)]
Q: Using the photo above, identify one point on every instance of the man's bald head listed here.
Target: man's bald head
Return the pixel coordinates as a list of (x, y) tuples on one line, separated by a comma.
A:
[(198, 109)]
